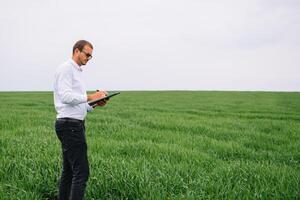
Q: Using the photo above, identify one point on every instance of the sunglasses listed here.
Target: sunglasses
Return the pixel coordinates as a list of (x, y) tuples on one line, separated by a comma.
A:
[(89, 56)]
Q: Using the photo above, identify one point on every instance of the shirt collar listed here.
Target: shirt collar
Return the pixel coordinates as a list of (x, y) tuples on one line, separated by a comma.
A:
[(75, 65)]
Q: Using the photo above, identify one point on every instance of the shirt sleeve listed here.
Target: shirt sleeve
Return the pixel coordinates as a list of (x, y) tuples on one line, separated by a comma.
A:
[(64, 88)]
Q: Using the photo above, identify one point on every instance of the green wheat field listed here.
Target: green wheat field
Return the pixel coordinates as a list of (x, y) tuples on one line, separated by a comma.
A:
[(159, 145)]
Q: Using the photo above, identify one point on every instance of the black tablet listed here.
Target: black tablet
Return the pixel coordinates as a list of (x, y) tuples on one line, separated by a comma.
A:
[(91, 103)]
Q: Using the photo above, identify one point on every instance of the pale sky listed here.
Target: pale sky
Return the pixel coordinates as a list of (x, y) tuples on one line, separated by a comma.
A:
[(154, 44)]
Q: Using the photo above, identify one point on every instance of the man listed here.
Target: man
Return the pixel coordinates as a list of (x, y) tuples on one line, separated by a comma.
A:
[(70, 99)]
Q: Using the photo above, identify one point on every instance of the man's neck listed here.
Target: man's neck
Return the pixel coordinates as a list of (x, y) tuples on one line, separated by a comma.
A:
[(77, 61)]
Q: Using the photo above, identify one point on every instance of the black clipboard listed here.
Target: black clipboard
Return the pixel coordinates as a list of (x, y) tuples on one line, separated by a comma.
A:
[(91, 103)]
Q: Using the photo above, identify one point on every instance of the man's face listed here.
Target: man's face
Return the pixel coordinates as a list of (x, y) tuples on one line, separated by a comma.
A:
[(85, 55)]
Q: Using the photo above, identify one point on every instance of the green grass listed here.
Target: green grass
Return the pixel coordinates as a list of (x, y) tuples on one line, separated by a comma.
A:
[(159, 145)]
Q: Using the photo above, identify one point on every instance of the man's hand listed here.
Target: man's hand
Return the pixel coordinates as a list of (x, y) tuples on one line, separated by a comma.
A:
[(100, 103), (98, 95)]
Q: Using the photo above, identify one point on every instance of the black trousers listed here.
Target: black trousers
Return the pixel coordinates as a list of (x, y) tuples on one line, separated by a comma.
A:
[(75, 169)]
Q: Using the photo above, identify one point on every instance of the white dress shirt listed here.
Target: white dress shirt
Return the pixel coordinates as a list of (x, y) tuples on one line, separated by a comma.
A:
[(70, 98)]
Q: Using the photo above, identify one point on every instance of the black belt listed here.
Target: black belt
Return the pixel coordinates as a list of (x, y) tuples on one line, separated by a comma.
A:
[(67, 119)]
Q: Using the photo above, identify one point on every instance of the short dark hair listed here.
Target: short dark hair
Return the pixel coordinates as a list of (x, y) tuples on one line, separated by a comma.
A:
[(80, 44)]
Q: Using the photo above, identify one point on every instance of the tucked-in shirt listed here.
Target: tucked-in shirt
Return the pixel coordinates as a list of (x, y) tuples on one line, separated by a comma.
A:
[(70, 98)]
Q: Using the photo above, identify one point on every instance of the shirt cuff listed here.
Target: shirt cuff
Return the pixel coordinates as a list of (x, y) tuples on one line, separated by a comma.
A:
[(89, 108), (80, 98), (84, 98)]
